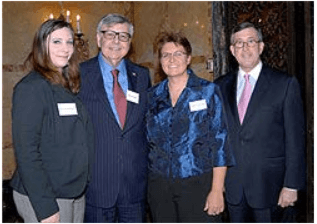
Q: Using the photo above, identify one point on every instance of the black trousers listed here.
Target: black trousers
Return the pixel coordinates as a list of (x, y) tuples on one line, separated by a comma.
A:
[(180, 200), (121, 213), (243, 213)]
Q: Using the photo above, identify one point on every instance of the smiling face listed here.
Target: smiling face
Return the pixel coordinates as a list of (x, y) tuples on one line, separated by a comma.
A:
[(114, 49), (174, 60), (60, 47), (247, 57)]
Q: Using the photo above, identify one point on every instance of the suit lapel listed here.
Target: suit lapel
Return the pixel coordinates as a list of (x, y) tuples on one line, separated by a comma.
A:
[(232, 98), (96, 80), (259, 91), (133, 86)]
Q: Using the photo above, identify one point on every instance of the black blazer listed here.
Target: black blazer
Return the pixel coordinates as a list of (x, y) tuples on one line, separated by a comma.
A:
[(269, 145), (52, 151), (120, 165)]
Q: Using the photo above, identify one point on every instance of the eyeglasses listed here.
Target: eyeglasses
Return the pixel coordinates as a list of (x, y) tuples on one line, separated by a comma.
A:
[(176, 54), (110, 35), (250, 43)]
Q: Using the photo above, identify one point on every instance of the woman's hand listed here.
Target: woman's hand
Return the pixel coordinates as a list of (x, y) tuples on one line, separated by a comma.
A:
[(52, 219), (214, 203)]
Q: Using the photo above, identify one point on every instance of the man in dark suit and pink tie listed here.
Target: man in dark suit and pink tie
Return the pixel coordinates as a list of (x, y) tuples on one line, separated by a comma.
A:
[(266, 132), (114, 91)]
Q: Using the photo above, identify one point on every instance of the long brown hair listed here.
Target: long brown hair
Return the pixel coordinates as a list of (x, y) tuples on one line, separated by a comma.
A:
[(40, 61), (178, 38)]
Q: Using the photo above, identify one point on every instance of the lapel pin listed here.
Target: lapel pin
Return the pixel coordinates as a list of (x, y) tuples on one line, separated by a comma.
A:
[(134, 74)]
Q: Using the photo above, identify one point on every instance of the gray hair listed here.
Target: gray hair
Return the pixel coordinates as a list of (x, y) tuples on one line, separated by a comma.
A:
[(112, 19), (243, 26)]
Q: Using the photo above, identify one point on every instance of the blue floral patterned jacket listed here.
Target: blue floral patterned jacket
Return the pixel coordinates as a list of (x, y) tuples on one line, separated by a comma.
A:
[(190, 138)]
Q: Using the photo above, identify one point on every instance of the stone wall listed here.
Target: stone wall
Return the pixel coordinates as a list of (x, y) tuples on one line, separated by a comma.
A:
[(20, 21)]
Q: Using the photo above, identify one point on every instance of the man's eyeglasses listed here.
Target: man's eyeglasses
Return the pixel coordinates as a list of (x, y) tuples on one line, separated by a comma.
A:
[(176, 54), (110, 35), (250, 43)]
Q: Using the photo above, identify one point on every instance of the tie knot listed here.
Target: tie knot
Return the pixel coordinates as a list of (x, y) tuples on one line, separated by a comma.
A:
[(246, 76), (115, 73)]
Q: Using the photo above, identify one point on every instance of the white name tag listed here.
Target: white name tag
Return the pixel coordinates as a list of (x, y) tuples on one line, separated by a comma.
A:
[(67, 109), (198, 105), (133, 96)]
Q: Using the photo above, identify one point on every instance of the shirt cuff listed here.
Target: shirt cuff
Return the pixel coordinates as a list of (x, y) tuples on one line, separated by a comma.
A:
[(290, 189)]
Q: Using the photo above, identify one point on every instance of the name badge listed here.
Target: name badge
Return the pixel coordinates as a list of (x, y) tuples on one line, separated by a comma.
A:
[(133, 97), (67, 109), (198, 105)]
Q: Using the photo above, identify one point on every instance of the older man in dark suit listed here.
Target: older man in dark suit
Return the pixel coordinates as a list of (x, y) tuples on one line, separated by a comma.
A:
[(114, 91), (266, 131)]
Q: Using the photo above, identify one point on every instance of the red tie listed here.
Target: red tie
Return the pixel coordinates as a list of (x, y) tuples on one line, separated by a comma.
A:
[(119, 98)]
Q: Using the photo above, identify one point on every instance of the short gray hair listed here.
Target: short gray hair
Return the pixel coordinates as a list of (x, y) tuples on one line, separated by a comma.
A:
[(113, 18), (243, 26)]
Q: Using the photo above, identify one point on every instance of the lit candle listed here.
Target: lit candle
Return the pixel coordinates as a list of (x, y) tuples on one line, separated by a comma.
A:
[(78, 24), (67, 15), (51, 16)]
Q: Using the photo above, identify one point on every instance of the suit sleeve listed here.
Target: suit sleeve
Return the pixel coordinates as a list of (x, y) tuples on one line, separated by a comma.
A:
[(27, 116), (294, 126)]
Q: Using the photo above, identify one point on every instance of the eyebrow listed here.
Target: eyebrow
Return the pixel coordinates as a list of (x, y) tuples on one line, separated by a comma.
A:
[(59, 38), (115, 31), (181, 51)]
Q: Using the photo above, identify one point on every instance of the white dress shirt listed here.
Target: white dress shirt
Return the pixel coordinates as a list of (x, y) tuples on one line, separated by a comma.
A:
[(254, 75)]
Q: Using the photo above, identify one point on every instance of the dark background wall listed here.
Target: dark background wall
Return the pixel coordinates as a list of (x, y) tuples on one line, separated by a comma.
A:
[(288, 33)]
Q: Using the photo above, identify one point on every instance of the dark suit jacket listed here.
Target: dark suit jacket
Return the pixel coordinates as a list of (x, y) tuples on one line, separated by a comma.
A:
[(120, 167), (52, 151), (269, 145)]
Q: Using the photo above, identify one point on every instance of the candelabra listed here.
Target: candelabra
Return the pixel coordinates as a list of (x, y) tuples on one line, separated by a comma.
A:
[(81, 45)]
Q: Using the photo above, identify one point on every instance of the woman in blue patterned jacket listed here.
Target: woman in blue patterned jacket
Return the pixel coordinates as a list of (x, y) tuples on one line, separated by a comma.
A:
[(187, 134)]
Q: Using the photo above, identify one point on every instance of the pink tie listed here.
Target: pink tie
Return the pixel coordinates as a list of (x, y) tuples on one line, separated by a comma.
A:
[(245, 97), (119, 98)]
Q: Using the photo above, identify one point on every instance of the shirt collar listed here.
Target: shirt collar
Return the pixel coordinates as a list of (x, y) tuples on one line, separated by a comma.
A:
[(254, 73), (192, 79), (162, 92), (121, 67)]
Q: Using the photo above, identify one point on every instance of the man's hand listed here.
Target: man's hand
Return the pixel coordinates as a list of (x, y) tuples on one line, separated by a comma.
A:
[(287, 197), (52, 219), (214, 203)]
